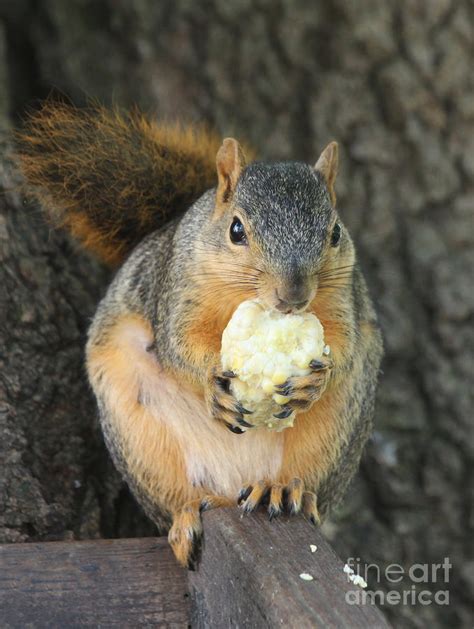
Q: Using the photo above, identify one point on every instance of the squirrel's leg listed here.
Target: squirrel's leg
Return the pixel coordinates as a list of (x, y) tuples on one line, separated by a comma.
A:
[(186, 530), (279, 498), (141, 415)]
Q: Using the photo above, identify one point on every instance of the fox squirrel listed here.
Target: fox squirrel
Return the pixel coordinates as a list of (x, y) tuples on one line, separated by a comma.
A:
[(198, 245)]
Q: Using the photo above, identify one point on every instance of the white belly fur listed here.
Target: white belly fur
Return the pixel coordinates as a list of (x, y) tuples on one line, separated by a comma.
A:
[(215, 458)]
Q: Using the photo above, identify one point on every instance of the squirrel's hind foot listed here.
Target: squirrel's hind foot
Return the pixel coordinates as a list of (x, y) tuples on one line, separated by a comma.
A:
[(277, 498), (185, 534)]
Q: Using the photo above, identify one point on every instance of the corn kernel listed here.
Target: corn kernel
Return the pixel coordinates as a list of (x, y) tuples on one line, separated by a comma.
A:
[(281, 399), (279, 377), (267, 385)]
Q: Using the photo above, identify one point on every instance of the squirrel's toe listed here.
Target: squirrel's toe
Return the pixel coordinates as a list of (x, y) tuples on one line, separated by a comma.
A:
[(254, 498), (310, 508), (294, 496), (275, 504)]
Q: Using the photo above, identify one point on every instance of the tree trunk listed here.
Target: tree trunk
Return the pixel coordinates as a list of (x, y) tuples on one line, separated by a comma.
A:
[(393, 83)]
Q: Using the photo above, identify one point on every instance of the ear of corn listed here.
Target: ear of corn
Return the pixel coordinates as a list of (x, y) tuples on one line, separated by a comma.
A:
[(264, 348)]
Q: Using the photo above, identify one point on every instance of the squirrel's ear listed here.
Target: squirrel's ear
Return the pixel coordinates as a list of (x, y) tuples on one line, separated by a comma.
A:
[(327, 165), (230, 161)]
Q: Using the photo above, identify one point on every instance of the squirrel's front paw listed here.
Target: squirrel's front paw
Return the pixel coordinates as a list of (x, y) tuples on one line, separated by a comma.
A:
[(223, 405), (303, 391)]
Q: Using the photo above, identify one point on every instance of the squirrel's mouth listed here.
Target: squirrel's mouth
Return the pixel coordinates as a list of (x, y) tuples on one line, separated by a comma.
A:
[(291, 302), (278, 302), (286, 308)]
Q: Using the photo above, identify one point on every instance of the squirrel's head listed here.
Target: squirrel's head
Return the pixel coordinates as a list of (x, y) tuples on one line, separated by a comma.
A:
[(275, 233)]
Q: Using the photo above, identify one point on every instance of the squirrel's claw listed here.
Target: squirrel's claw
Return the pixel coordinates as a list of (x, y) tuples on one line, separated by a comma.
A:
[(318, 365), (240, 409), (223, 405), (235, 429), (244, 423), (243, 494), (229, 374), (286, 412), (290, 499)]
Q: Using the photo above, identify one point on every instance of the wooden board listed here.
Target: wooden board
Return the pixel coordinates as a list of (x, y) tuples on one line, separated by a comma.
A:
[(248, 576), (101, 583), (249, 571)]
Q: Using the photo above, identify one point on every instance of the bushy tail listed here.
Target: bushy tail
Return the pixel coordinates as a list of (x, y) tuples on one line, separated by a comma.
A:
[(112, 178)]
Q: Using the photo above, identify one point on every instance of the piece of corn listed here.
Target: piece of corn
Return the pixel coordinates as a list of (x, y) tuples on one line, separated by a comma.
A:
[(264, 348)]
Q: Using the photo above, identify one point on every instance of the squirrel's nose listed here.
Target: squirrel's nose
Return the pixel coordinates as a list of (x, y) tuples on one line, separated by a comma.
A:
[(286, 308), (290, 301)]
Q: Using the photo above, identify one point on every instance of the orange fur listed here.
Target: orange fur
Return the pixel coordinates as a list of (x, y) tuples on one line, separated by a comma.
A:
[(154, 456), (276, 498), (334, 312), (313, 444), (112, 178), (204, 333), (211, 315), (84, 230)]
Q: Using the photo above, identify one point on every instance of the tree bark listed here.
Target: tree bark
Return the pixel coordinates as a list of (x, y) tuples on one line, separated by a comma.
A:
[(393, 83)]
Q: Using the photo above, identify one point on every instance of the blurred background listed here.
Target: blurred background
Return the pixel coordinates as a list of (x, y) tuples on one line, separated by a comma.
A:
[(393, 83)]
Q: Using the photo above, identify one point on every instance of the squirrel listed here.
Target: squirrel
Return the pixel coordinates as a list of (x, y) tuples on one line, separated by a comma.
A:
[(197, 230)]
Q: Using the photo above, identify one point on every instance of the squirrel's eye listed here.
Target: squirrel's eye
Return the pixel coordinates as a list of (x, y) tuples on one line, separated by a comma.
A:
[(237, 233), (336, 235)]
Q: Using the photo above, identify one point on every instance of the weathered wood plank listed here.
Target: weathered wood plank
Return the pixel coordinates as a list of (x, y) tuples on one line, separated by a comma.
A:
[(248, 576), (101, 583), (249, 571)]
